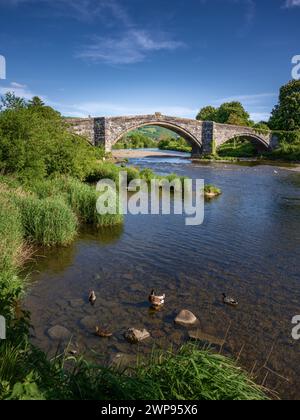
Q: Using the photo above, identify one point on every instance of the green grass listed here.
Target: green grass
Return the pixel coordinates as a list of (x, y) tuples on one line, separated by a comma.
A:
[(189, 374), (49, 221), (195, 374), (81, 197)]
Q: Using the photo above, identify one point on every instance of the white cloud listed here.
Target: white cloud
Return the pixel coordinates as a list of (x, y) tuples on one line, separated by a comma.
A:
[(292, 3), (19, 90), (132, 46)]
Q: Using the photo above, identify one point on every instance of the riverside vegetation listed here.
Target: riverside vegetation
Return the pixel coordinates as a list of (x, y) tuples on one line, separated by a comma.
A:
[(45, 194)]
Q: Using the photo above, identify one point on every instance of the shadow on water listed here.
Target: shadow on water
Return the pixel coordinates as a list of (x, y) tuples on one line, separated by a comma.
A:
[(248, 247)]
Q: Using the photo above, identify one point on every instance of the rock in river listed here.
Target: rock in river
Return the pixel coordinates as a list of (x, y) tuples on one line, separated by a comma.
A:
[(185, 318), (133, 335), (59, 333)]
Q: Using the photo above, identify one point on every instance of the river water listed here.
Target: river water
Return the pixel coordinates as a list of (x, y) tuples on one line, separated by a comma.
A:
[(248, 247)]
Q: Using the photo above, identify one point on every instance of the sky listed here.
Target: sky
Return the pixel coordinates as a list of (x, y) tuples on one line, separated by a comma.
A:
[(127, 57)]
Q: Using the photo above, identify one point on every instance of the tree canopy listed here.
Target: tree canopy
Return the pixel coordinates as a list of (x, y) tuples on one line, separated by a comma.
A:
[(286, 114), (228, 113), (35, 141)]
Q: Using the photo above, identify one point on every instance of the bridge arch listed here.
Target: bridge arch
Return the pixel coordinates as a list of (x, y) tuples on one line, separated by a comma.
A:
[(260, 143), (191, 139)]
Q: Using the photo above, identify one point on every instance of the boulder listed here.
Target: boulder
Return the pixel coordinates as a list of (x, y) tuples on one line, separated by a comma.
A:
[(185, 318), (134, 336), (59, 333)]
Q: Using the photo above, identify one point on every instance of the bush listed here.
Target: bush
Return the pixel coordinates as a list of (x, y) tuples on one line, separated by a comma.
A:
[(35, 143), (48, 221)]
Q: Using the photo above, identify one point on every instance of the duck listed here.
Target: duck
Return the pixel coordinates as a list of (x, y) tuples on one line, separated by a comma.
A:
[(102, 332), (229, 300), (92, 298), (156, 301)]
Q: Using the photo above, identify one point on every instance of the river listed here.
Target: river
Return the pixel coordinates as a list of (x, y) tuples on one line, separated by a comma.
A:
[(248, 247)]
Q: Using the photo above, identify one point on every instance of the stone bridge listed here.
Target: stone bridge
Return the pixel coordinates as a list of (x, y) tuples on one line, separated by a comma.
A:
[(201, 135)]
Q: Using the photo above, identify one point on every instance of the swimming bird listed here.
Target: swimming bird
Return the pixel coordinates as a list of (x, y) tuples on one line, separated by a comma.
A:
[(92, 298), (156, 301), (229, 301), (102, 332)]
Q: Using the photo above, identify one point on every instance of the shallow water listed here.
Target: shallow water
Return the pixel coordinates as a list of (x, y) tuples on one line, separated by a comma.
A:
[(247, 247)]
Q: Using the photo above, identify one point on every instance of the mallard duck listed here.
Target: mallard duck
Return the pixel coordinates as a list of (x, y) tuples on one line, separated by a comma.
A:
[(229, 300), (102, 332), (92, 297), (156, 301)]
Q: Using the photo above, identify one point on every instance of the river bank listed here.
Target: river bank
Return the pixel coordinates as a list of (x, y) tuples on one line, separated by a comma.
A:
[(143, 153)]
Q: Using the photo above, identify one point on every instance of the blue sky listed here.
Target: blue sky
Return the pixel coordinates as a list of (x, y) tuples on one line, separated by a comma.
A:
[(118, 57)]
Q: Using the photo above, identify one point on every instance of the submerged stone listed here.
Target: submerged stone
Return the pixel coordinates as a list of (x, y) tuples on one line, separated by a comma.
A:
[(59, 333), (133, 335), (185, 318)]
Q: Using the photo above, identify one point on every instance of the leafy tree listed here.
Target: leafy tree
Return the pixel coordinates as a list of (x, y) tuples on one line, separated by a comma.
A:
[(208, 113), (36, 102), (11, 101), (286, 115), (228, 113), (35, 142), (233, 113)]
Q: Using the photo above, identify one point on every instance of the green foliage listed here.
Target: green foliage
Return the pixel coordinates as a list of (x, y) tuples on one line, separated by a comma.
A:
[(237, 148), (135, 140), (194, 374), (288, 148), (35, 142), (177, 144), (286, 115), (212, 189), (208, 113), (48, 221), (228, 113)]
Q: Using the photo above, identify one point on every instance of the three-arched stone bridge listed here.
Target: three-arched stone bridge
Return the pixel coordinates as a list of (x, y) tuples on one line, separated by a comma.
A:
[(201, 135)]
